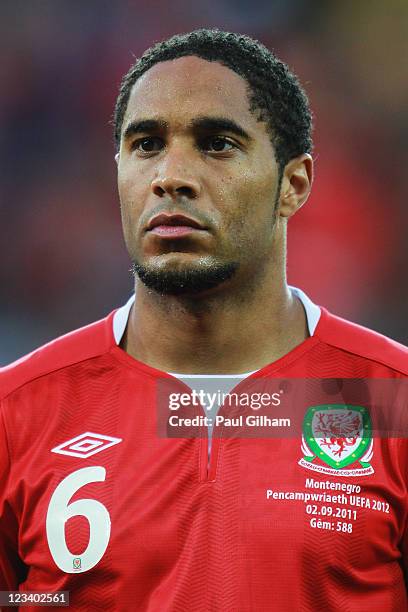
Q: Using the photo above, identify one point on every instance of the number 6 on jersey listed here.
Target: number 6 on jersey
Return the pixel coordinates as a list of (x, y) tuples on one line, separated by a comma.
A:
[(60, 510)]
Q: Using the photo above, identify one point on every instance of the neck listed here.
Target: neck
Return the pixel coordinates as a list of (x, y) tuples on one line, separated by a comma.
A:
[(225, 333)]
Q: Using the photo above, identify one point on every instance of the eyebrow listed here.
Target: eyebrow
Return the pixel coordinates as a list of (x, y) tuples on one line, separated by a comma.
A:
[(200, 124), (144, 126), (219, 124)]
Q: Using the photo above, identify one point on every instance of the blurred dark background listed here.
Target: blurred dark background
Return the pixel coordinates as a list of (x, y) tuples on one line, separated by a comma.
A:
[(63, 263)]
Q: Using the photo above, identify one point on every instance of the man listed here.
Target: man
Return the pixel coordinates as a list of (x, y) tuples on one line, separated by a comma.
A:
[(213, 140)]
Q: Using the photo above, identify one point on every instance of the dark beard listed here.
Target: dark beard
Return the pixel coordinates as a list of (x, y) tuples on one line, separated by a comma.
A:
[(184, 282)]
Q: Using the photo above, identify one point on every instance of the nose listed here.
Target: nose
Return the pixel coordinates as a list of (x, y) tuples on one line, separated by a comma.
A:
[(174, 180)]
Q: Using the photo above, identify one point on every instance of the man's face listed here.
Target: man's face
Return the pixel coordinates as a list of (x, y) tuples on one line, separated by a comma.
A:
[(197, 179)]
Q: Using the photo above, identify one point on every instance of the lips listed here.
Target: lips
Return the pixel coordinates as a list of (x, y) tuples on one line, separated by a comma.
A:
[(173, 226), (173, 221)]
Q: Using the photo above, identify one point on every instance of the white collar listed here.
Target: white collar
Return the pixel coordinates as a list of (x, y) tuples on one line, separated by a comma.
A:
[(313, 313), (120, 319)]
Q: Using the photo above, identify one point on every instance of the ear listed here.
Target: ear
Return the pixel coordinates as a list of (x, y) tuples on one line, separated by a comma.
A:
[(296, 184), (117, 158)]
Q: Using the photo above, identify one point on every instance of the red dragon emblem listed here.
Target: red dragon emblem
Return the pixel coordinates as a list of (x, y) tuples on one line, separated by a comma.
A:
[(337, 431)]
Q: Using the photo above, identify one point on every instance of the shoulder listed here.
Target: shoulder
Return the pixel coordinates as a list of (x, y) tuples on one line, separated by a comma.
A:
[(362, 342), (72, 348)]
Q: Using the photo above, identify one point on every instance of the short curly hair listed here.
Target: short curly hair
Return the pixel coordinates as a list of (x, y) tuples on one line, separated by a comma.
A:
[(273, 89)]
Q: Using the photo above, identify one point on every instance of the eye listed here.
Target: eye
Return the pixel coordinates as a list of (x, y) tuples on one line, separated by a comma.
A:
[(217, 144), (148, 144)]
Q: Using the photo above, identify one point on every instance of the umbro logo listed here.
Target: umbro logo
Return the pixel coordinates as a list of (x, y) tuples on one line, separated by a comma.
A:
[(86, 445)]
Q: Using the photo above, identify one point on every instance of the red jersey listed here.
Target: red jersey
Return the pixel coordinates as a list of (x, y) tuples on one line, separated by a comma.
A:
[(93, 501)]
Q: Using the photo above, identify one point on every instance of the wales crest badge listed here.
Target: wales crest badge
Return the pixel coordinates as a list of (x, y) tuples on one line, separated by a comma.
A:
[(337, 439)]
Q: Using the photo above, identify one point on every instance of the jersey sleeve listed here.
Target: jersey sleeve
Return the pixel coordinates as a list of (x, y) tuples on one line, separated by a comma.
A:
[(404, 542), (405, 554), (11, 566)]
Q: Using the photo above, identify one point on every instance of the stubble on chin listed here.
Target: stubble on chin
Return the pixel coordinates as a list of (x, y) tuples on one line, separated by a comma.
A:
[(188, 280)]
